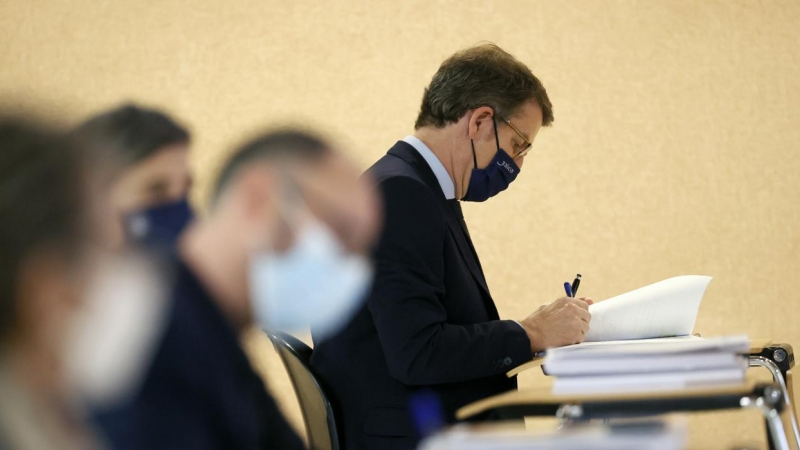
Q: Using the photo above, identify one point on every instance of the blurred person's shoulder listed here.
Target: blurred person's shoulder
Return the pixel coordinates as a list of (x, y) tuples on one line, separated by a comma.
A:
[(25, 424), (197, 330)]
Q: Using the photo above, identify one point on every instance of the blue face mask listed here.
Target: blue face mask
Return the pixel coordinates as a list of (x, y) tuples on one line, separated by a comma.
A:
[(494, 178), (159, 226), (317, 284)]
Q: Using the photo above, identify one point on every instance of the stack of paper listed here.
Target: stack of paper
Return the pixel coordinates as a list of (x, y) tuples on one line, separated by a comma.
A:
[(640, 341), (627, 435), (647, 364)]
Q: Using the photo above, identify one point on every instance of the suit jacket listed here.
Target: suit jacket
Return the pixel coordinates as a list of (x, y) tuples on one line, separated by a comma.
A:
[(200, 391), (428, 323)]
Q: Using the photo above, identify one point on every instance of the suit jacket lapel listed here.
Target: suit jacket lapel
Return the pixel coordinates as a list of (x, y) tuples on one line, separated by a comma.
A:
[(453, 216)]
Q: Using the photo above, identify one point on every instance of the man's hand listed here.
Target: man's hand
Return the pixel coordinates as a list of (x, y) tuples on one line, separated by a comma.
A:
[(563, 322)]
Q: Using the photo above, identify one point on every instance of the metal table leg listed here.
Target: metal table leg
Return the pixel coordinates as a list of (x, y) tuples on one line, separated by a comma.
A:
[(769, 405), (760, 361)]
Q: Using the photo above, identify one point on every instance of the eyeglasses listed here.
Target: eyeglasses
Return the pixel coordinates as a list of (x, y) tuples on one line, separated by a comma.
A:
[(528, 143)]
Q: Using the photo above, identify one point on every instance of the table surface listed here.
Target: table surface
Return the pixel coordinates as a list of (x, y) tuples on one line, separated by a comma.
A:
[(544, 396)]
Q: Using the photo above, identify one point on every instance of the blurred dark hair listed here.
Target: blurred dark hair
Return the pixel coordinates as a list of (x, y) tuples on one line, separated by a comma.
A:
[(484, 75), (284, 146), (42, 202), (129, 134)]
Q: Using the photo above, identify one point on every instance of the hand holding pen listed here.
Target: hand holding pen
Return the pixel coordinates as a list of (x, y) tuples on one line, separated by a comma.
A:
[(563, 322)]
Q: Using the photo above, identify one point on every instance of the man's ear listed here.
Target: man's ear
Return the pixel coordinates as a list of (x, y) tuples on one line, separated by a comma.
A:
[(480, 124), (259, 221), (250, 209), (254, 191)]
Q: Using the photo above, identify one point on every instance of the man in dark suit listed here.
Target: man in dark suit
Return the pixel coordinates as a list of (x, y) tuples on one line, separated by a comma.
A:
[(430, 321), (280, 204)]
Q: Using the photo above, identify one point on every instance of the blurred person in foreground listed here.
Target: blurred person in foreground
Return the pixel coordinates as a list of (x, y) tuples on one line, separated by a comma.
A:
[(430, 322), (146, 154), (43, 275), (282, 246), (77, 323)]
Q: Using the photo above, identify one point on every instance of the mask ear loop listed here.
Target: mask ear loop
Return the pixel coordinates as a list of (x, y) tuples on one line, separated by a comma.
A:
[(496, 141), (474, 158), (292, 194), (496, 137)]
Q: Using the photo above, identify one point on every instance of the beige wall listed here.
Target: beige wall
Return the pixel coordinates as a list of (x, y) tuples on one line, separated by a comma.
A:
[(674, 149)]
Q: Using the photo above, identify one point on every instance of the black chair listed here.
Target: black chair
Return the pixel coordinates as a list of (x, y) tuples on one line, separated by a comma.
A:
[(314, 404)]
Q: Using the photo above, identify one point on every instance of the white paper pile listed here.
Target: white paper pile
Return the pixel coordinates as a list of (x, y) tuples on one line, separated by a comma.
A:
[(647, 364)]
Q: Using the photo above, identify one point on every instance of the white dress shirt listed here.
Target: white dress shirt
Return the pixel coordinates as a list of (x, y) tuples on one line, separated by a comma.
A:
[(445, 182)]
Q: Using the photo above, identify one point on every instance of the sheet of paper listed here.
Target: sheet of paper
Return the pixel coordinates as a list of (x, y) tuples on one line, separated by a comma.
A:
[(738, 343), (666, 308), (648, 382), (615, 365)]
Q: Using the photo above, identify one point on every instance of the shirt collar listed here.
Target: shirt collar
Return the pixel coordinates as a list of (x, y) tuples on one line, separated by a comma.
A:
[(445, 182)]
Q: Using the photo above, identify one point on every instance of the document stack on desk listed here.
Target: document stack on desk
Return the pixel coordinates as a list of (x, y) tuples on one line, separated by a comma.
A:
[(647, 364), (619, 435), (640, 341)]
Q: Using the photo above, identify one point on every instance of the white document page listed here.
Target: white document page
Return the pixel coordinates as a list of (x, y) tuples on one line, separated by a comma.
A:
[(644, 364), (648, 382), (666, 308), (649, 347)]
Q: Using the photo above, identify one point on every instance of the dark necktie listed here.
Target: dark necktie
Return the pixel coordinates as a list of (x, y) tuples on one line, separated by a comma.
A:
[(456, 206)]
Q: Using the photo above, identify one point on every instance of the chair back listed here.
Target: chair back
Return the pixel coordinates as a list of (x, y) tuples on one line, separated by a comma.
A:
[(314, 404)]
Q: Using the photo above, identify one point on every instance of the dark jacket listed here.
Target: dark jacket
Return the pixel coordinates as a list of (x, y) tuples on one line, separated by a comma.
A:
[(201, 391), (429, 321)]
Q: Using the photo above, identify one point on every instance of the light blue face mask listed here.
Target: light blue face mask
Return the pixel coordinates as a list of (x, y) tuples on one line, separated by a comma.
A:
[(317, 283)]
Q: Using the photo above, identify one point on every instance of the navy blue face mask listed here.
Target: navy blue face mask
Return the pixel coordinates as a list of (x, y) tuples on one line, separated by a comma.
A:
[(494, 178), (159, 226)]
